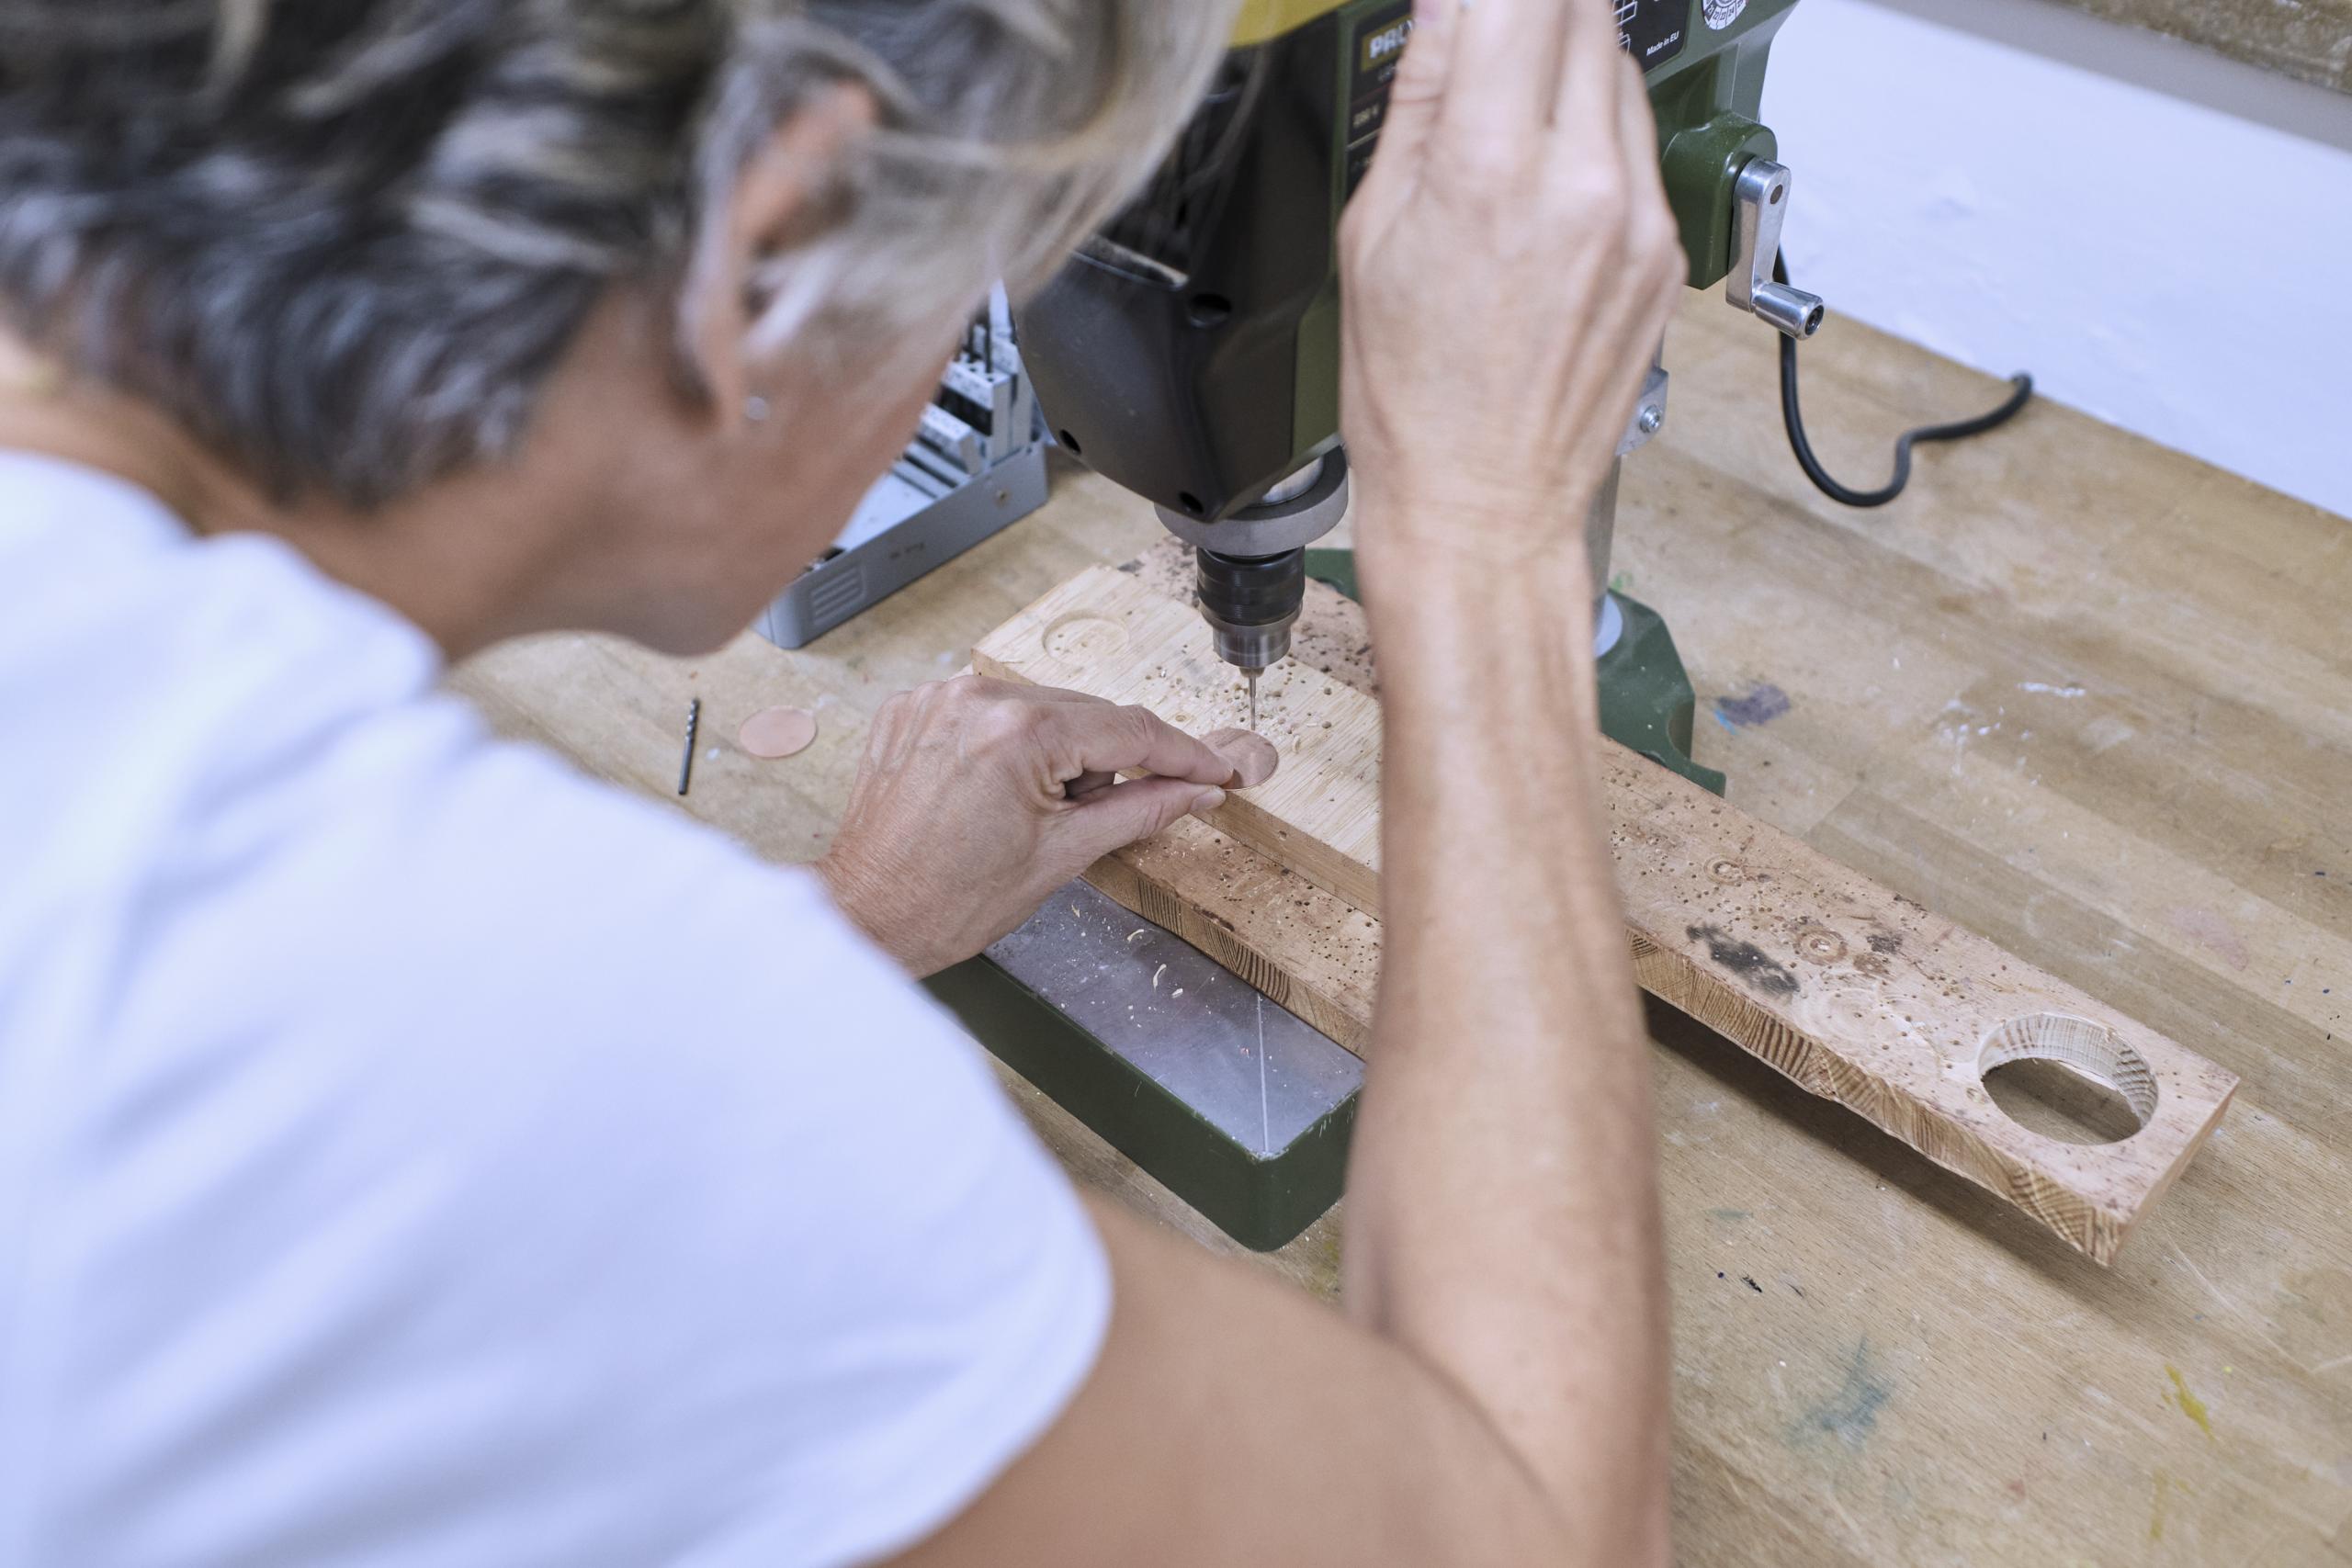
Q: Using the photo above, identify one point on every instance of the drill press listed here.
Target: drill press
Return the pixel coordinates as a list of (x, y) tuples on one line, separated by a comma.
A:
[(1191, 351)]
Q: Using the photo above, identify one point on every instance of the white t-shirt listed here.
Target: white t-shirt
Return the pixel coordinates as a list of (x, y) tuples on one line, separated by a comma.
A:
[(414, 1153)]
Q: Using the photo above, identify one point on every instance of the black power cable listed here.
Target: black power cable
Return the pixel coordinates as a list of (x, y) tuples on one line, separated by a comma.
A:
[(1794, 419)]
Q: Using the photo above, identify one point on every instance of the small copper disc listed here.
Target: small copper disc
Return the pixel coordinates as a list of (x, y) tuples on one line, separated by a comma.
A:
[(778, 732)]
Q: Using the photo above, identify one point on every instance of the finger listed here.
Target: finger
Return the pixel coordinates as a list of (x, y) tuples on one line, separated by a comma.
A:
[(1085, 785), (1584, 110), (1128, 813), (1653, 236), (1417, 96), (1506, 67), (1253, 757), (1110, 739), (1020, 692), (1636, 126)]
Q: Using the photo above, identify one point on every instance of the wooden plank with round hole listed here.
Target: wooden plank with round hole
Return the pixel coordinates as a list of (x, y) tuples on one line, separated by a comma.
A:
[(1854, 992)]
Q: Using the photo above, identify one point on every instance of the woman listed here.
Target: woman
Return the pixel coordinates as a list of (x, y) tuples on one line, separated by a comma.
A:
[(411, 1151)]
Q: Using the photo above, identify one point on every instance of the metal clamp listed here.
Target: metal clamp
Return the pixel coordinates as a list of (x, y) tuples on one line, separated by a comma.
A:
[(1649, 410), (1761, 201)]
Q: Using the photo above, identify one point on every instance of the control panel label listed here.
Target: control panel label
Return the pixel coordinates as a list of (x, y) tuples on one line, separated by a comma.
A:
[(1653, 31), (1378, 51), (1381, 37)]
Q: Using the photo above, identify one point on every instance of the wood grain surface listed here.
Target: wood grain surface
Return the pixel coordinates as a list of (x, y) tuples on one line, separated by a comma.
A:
[(1306, 948), (2078, 692), (2308, 40), (1105, 632), (1855, 993)]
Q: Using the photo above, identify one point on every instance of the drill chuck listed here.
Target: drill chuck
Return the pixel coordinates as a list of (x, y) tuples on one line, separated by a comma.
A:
[(1252, 570), (1250, 603)]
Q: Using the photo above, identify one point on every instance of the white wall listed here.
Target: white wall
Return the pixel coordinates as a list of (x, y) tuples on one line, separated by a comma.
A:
[(2180, 269)]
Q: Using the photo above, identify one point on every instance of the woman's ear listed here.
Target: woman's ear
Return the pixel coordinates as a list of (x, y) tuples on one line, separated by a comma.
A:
[(779, 200)]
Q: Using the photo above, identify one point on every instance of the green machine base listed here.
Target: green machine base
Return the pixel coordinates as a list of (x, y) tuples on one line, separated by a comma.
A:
[(1231, 1101), (1646, 701)]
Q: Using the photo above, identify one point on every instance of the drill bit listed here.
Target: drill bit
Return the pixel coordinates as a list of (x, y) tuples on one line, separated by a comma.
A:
[(1251, 677), (686, 763)]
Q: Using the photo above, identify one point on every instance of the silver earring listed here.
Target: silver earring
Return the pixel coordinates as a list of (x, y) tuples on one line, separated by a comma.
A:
[(756, 409)]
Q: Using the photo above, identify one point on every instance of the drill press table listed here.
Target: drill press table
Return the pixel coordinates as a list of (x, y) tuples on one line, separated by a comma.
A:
[(2081, 694)]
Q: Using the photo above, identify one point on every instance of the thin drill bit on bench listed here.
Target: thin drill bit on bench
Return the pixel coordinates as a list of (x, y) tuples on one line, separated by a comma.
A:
[(686, 763)]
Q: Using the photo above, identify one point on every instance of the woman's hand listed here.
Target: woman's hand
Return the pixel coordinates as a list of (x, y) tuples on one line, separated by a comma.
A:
[(977, 798), (1507, 269)]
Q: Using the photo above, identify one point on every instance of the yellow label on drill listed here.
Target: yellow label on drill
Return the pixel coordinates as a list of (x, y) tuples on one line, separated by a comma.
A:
[(1263, 19)]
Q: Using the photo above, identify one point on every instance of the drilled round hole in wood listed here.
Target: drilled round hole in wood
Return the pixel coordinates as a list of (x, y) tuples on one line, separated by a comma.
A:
[(2067, 1078), (1819, 944), (1083, 637)]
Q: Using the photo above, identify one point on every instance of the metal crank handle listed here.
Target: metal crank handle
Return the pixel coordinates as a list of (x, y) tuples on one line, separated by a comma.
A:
[(1761, 199)]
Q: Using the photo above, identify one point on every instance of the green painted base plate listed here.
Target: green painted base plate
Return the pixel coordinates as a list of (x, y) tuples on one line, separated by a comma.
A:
[(1235, 1103), (1646, 703)]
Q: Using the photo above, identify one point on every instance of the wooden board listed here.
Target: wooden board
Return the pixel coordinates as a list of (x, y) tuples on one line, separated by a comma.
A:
[(2310, 39), (1303, 945), (1888, 1364), (1307, 949), (1106, 633), (1857, 994)]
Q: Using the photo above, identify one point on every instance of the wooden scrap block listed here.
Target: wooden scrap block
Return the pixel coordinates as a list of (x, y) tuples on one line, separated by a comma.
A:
[(1856, 993)]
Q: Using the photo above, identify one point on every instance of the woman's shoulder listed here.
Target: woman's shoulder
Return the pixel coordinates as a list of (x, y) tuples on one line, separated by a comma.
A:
[(211, 736)]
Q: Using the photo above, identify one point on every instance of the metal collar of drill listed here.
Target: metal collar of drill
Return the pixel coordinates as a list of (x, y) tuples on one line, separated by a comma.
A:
[(1252, 565)]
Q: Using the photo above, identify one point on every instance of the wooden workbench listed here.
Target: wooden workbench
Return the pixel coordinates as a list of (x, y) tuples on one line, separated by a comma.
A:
[(2079, 692), (2309, 40)]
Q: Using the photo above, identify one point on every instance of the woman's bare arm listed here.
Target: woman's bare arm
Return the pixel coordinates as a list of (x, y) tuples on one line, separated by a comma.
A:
[(1496, 1389)]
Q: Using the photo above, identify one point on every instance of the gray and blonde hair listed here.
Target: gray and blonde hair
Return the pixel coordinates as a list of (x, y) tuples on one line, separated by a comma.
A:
[(344, 242)]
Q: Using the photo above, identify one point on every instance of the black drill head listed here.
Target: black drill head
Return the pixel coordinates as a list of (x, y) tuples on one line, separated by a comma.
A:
[(1250, 603)]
